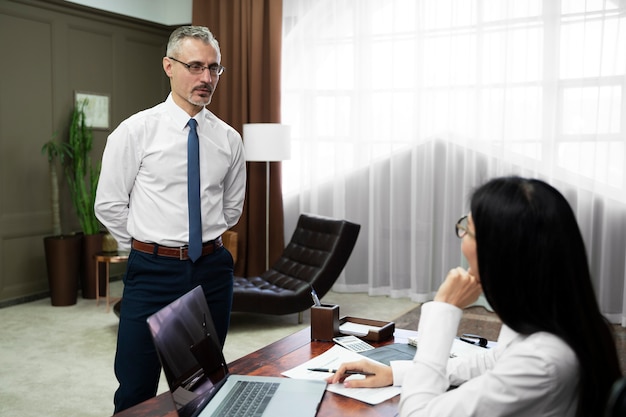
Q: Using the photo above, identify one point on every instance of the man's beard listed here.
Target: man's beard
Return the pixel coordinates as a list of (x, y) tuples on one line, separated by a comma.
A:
[(203, 101), (199, 103)]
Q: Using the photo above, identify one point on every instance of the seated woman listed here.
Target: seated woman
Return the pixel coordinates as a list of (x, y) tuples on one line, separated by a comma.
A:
[(555, 355)]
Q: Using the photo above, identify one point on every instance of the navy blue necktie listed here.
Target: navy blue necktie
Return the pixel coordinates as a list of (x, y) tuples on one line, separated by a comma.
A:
[(193, 192)]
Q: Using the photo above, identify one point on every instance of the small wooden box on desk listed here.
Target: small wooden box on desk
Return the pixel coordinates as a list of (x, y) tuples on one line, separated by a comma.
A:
[(385, 332), (325, 323)]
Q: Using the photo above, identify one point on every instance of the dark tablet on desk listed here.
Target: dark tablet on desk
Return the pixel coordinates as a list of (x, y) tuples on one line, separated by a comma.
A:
[(393, 352)]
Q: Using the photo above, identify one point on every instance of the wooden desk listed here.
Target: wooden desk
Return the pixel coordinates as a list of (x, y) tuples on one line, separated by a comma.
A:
[(278, 357), (108, 258)]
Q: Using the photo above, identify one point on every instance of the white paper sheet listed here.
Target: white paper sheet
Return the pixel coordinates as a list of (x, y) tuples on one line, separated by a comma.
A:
[(332, 359), (357, 329)]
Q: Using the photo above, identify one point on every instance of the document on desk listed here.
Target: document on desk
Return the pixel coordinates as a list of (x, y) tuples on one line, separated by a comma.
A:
[(332, 359), (356, 329)]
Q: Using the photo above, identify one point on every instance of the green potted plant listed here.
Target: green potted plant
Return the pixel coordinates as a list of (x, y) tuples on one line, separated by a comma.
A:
[(82, 178), (61, 250)]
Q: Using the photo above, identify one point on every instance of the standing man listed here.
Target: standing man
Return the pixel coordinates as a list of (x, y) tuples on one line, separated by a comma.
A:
[(153, 200)]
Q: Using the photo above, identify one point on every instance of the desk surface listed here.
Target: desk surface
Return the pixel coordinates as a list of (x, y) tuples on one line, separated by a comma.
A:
[(278, 357)]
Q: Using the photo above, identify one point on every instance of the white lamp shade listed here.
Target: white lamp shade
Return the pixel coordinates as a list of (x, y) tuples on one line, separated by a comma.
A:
[(267, 141)]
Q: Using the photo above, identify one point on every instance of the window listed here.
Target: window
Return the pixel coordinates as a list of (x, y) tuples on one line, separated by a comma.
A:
[(535, 82)]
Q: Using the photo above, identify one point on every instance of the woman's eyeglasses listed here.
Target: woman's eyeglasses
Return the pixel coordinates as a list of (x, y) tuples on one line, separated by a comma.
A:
[(462, 229)]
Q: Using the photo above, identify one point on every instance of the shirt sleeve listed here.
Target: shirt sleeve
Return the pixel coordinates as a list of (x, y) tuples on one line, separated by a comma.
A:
[(462, 369), (532, 375), (120, 165), (235, 182), (459, 369), (428, 376)]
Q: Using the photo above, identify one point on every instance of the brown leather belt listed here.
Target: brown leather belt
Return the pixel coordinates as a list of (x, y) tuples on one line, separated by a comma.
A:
[(178, 253)]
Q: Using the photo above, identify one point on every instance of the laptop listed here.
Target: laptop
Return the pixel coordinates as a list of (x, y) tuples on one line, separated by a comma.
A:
[(197, 374)]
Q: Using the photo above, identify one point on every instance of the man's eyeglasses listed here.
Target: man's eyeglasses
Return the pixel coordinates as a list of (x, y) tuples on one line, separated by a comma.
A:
[(462, 229), (197, 69)]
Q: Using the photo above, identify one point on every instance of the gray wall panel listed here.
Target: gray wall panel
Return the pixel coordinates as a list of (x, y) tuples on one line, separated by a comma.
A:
[(50, 50)]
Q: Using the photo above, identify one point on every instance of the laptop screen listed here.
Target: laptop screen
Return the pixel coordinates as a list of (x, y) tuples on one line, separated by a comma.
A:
[(188, 347)]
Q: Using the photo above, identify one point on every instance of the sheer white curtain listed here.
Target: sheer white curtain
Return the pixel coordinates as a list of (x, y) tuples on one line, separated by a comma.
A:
[(399, 108)]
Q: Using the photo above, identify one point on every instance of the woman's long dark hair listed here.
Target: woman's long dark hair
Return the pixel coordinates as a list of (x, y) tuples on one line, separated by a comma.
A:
[(534, 273)]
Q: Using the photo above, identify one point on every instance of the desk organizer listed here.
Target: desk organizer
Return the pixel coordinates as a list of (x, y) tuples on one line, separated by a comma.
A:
[(386, 328), (324, 322)]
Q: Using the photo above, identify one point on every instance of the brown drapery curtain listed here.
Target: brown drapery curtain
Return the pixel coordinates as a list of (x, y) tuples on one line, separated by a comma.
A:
[(250, 37)]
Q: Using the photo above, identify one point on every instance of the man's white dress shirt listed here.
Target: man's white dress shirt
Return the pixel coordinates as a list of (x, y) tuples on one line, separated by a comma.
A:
[(142, 191), (524, 376)]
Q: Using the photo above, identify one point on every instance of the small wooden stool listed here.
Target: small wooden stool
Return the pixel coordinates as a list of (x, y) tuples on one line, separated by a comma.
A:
[(108, 258)]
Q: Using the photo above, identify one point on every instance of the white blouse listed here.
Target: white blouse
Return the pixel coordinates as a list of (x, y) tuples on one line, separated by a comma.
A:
[(530, 376)]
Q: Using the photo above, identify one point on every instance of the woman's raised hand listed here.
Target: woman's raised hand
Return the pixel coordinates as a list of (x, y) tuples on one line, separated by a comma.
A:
[(460, 288)]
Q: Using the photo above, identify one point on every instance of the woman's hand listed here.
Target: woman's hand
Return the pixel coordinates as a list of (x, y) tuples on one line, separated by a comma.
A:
[(382, 378), (460, 288)]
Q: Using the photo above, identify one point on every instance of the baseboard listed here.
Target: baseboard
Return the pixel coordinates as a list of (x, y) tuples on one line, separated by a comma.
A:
[(40, 295), (24, 299)]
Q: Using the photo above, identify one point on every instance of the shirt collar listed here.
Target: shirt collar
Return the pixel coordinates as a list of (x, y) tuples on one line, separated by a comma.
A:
[(180, 116)]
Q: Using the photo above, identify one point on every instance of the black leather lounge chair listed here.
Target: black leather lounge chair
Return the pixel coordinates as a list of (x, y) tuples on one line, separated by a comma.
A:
[(314, 258)]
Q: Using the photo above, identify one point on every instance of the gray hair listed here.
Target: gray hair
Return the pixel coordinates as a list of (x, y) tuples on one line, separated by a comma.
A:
[(198, 32)]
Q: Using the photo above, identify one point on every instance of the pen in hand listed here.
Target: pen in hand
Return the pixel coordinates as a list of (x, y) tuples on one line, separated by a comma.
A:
[(333, 371)]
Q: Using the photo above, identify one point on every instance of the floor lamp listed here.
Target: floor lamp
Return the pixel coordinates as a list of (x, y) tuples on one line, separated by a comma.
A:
[(267, 142)]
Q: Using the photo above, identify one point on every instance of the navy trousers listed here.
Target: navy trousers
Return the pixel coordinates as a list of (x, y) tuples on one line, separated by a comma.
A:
[(150, 283)]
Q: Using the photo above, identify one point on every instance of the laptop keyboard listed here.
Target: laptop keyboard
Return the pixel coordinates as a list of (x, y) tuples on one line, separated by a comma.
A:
[(247, 398)]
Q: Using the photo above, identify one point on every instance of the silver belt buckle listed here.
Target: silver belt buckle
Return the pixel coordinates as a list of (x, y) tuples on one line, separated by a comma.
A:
[(181, 251)]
